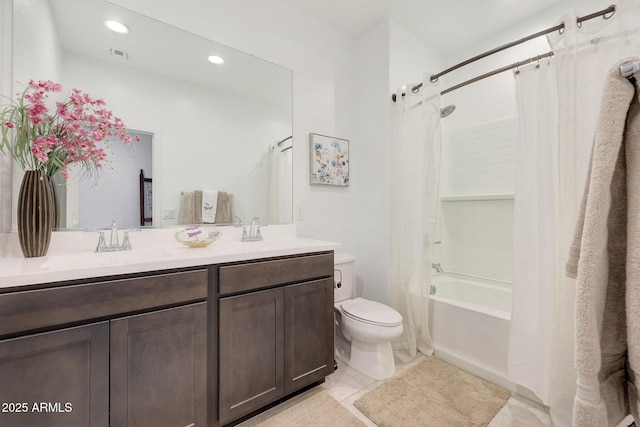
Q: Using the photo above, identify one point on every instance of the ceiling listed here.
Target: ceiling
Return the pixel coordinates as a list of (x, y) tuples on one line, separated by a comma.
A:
[(445, 24)]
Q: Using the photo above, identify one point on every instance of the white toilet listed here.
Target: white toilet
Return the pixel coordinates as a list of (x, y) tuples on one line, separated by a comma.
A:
[(364, 328)]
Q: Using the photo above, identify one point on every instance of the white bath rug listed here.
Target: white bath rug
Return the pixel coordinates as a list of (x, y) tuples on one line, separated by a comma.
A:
[(433, 393)]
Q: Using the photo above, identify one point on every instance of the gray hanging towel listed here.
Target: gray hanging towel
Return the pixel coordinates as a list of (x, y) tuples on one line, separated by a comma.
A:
[(605, 259)]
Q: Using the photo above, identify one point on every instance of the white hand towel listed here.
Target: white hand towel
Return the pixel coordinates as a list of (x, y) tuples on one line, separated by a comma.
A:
[(209, 206)]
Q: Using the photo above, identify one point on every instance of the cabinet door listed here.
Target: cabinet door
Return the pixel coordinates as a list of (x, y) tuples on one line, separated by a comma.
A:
[(159, 368), (251, 352), (58, 378), (308, 333)]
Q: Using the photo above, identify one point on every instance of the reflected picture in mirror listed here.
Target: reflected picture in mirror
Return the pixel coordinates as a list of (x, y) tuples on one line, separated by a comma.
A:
[(215, 126)]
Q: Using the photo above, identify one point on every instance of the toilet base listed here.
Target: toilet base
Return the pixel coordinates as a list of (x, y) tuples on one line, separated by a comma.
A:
[(373, 360)]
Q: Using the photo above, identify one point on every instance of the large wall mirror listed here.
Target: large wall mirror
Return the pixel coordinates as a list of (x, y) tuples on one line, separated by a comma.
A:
[(220, 129)]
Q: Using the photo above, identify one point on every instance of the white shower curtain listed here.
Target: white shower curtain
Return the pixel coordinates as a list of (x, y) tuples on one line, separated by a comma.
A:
[(534, 234), (415, 164), (280, 186), (582, 57)]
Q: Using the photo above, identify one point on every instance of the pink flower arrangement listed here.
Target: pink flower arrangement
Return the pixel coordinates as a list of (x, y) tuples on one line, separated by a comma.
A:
[(77, 133)]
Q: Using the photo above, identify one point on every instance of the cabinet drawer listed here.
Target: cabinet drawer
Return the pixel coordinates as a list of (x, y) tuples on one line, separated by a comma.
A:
[(240, 278), (42, 308)]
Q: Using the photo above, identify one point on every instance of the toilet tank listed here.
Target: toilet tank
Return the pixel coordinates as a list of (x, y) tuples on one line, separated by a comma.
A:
[(345, 273)]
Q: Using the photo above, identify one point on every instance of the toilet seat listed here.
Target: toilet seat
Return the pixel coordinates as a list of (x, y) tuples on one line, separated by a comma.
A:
[(371, 312)]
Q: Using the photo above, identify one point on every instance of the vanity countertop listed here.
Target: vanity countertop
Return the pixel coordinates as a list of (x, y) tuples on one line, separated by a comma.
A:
[(157, 250)]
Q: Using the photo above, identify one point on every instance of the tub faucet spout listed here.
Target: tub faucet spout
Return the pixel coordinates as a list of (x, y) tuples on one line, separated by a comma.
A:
[(436, 266)]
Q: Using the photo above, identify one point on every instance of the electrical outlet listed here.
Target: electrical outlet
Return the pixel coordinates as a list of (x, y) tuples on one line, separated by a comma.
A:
[(299, 213), (168, 213)]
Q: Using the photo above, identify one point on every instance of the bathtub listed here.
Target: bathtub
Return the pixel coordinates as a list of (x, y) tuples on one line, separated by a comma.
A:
[(469, 322)]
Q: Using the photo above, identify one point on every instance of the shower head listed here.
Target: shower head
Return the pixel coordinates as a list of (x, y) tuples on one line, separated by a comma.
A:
[(444, 112)]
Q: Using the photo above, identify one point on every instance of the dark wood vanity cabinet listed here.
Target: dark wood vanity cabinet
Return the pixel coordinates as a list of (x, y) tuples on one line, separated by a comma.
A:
[(58, 378), (143, 364), (276, 330), (309, 335), (190, 347), (251, 352), (158, 368)]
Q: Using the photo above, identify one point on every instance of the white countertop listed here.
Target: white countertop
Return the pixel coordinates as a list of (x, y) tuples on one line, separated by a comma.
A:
[(71, 254)]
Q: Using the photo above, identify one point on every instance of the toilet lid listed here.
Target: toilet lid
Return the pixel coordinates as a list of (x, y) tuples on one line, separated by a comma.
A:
[(371, 312)]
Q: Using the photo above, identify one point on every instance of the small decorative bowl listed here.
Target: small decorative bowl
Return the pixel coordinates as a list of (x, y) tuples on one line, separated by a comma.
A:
[(195, 237)]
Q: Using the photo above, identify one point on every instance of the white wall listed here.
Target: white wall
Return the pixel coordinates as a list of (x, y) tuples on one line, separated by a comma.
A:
[(411, 58), (6, 79), (368, 204)]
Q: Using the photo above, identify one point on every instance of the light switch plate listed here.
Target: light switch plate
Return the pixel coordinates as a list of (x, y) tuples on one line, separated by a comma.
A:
[(168, 213)]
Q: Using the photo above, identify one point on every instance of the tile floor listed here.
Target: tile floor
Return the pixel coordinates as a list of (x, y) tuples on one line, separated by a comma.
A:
[(347, 385)]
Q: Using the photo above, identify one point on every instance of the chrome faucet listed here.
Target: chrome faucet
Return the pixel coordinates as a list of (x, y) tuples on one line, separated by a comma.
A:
[(114, 241), (254, 229), (436, 266)]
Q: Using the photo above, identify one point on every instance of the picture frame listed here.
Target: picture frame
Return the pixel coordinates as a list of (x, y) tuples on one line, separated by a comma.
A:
[(329, 160)]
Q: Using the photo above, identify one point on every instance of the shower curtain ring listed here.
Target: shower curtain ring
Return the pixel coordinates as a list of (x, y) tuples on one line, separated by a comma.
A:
[(517, 68), (612, 12), (538, 61)]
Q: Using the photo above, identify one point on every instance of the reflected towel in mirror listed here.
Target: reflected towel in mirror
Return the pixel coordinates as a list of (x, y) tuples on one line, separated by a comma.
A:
[(192, 208), (208, 205)]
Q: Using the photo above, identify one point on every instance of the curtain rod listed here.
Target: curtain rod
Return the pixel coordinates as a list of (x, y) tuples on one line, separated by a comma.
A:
[(560, 27), (498, 71), (280, 143), (492, 73)]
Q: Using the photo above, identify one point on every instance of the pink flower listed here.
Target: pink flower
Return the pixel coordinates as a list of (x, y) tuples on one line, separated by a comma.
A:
[(78, 132)]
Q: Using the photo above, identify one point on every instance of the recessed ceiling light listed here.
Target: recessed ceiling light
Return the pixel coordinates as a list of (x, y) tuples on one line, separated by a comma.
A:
[(215, 59), (117, 27)]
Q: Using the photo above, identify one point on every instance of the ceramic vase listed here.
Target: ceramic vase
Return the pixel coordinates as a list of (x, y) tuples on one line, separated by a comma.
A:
[(55, 204), (35, 219)]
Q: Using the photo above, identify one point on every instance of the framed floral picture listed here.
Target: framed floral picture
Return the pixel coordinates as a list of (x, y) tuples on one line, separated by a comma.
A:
[(329, 160)]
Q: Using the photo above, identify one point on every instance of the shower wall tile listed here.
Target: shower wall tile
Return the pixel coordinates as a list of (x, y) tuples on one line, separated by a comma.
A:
[(475, 223), (479, 160), (476, 238)]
